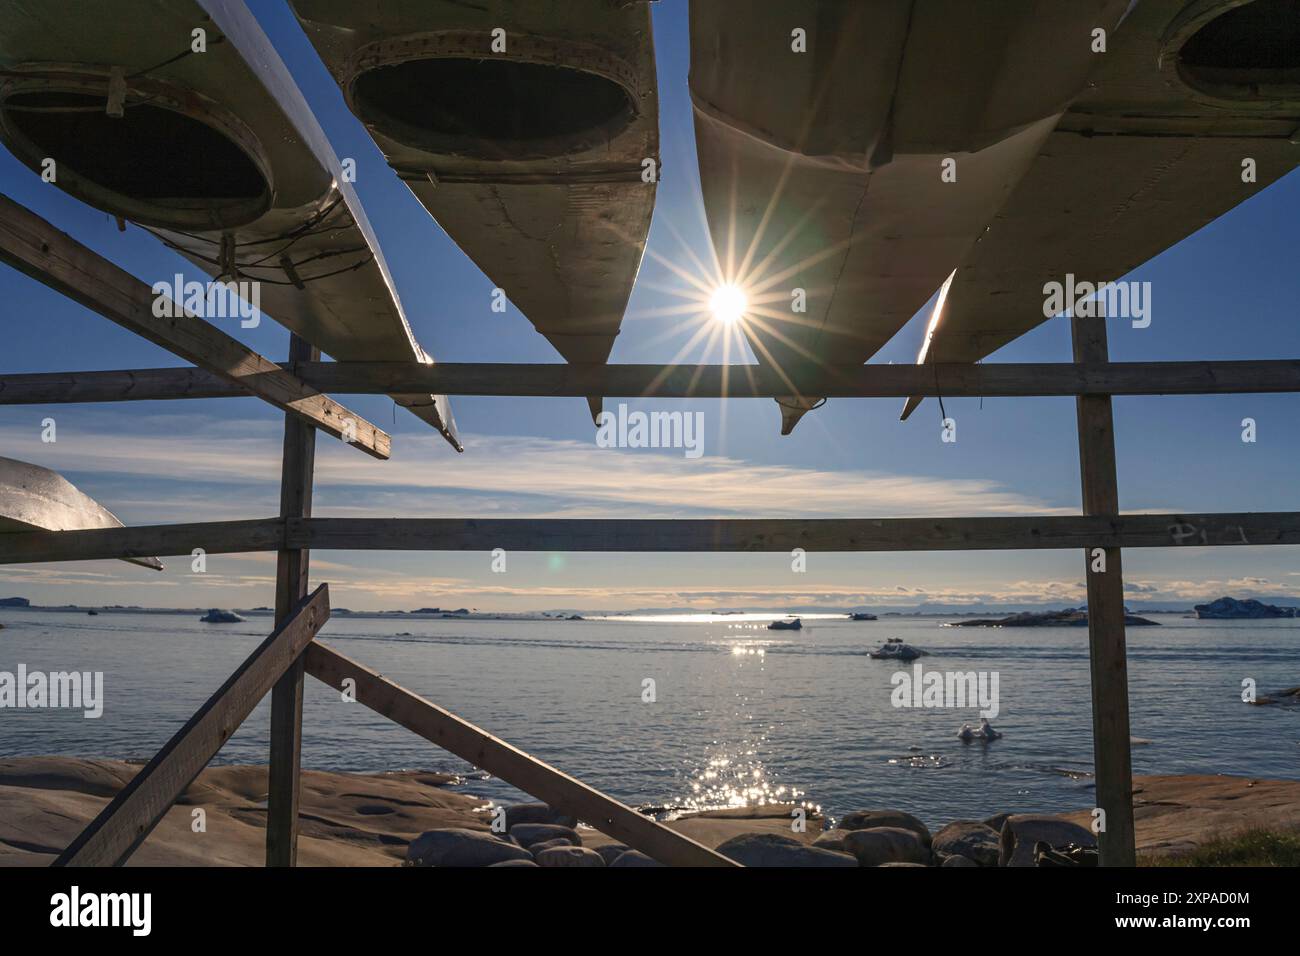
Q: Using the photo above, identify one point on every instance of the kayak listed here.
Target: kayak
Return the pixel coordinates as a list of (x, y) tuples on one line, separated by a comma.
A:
[(850, 154), (216, 153), (33, 498), (530, 132)]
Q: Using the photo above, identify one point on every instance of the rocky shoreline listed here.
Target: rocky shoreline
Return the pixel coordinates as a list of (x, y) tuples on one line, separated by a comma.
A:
[(411, 818)]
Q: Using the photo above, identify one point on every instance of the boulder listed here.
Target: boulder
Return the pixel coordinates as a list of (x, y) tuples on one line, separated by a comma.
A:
[(870, 819), (886, 845), (515, 863), (996, 821), (526, 834), (921, 865), (611, 852), (454, 846), (537, 848), (569, 856), (635, 858), (1022, 830), (832, 840), (970, 839), (537, 813), (773, 849), (958, 860)]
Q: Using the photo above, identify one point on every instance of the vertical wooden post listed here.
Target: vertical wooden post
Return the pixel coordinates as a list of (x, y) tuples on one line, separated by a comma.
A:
[(296, 473), (1106, 646)]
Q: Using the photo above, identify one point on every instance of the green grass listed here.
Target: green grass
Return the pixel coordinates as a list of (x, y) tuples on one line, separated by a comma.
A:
[(1255, 847)]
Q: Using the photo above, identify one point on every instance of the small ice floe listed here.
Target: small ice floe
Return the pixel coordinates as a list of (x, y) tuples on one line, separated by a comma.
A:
[(1139, 741), (985, 732), (895, 649), (218, 616)]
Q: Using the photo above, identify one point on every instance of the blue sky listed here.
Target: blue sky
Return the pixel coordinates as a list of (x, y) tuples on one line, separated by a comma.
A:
[(1228, 292)]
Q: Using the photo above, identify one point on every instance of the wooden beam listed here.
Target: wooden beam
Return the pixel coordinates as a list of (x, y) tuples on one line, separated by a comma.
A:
[(122, 826), (214, 537), (784, 534), (32, 245), (297, 469), (660, 535), (682, 381), (863, 381), (512, 765), (1105, 579), (126, 385)]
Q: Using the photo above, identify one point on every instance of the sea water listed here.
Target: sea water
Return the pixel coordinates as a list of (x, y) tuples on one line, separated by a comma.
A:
[(735, 714)]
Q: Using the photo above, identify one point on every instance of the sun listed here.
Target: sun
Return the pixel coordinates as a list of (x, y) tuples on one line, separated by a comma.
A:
[(728, 304)]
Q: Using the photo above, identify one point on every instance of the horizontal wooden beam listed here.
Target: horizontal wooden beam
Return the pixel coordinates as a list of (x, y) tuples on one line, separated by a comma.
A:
[(785, 534), (133, 385), (863, 381), (213, 537), (33, 246), (661, 535), (680, 381), (514, 766), (130, 816)]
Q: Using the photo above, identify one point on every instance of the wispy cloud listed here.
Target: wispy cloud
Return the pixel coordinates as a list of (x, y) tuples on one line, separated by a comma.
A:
[(503, 475)]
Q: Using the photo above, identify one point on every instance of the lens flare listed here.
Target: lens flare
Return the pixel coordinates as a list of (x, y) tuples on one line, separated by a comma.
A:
[(728, 304)]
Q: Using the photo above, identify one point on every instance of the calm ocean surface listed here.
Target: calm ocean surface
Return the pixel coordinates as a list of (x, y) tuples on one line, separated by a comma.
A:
[(742, 714)]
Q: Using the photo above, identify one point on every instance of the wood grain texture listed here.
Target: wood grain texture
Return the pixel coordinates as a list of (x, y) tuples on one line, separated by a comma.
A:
[(677, 381), (297, 471), (1107, 652), (785, 534), (1230, 529)]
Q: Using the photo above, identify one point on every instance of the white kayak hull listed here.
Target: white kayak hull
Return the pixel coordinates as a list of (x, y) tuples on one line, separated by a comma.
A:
[(824, 170), (216, 152), (33, 498), (538, 159)]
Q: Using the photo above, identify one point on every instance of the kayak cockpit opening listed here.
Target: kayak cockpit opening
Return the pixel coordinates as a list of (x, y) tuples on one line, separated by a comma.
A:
[(166, 160)]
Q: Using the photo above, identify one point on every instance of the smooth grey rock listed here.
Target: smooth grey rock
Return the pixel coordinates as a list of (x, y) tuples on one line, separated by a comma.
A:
[(969, 838), (832, 840), (515, 863), (635, 858), (517, 813), (900, 863), (526, 834), (1022, 830), (880, 845), (772, 849), (537, 848), (958, 860), (569, 856), (871, 819), (611, 852), (454, 846)]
